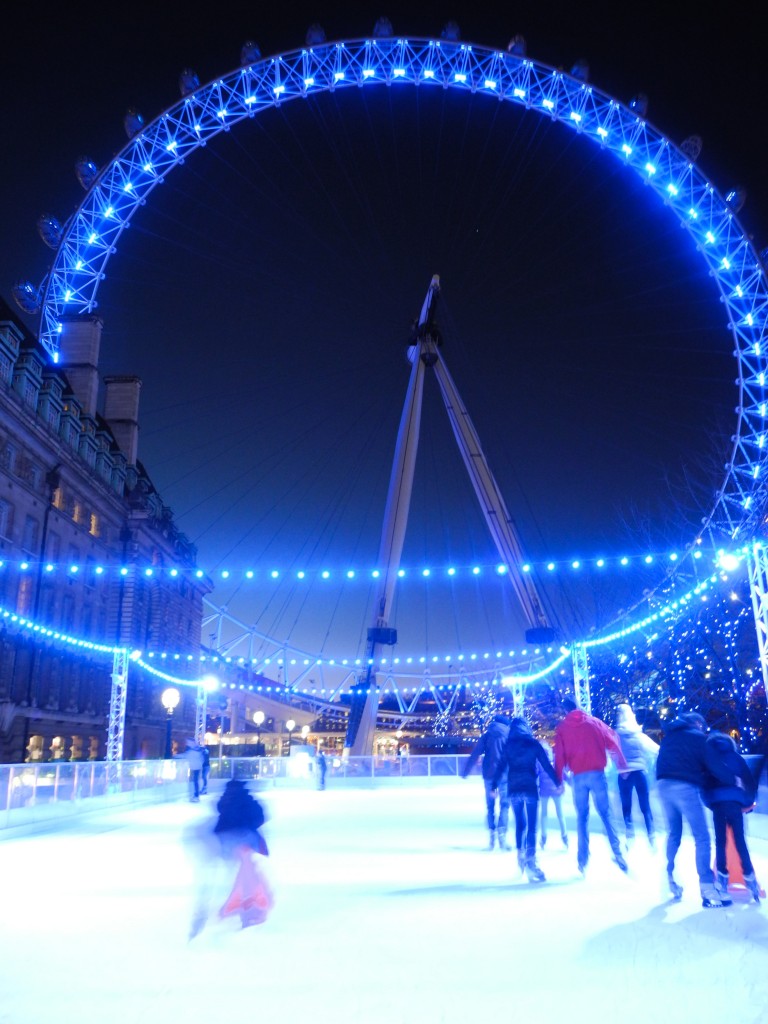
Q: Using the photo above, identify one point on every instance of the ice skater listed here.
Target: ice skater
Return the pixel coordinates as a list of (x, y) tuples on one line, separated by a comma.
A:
[(490, 747), (321, 768), (681, 774), (240, 818), (729, 801), (583, 744), (640, 753), (549, 790), (520, 757)]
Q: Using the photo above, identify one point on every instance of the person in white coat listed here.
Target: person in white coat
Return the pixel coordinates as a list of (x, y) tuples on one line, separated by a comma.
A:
[(640, 753)]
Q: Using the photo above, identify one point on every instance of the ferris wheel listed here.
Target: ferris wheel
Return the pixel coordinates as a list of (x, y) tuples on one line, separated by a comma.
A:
[(115, 193)]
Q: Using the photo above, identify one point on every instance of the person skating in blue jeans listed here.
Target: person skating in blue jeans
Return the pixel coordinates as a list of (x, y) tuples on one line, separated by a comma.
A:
[(583, 744), (490, 747), (681, 773), (549, 790)]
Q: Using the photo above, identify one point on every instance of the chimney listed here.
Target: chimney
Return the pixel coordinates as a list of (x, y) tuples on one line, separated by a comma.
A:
[(121, 411), (79, 358)]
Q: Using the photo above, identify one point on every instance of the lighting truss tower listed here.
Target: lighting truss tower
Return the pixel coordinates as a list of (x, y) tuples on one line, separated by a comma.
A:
[(116, 727), (423, 354), (757, 564)]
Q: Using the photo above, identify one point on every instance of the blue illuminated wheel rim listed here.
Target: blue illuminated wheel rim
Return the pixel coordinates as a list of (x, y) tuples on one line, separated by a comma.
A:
[(92, 234)]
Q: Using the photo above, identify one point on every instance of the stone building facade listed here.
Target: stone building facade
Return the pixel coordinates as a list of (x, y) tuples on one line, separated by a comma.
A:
[(86, 550)]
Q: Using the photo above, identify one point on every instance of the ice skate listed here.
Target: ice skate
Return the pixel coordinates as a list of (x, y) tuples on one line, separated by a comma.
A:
[(492, 839), (721, 888), (753, 886), (534, 872), (710, 898), (502, 837), (521, 860), (675, 888), (620, 862)]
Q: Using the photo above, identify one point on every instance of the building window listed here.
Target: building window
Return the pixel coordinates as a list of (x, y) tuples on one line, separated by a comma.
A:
[(31, 535), (24, 596), (58, 499), (77, 513), (54, 547), (6, 519), (10, 458), (95, 530), (68, 613)]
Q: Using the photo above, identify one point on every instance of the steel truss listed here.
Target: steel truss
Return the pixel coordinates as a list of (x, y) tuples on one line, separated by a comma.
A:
[(116, 727), (757, 564), (91, 235)]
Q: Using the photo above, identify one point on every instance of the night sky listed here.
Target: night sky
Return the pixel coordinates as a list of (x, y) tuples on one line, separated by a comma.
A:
[(265, 293)]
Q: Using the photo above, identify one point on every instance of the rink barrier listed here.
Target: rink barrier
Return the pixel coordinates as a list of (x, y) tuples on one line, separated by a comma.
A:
[(46, 795)]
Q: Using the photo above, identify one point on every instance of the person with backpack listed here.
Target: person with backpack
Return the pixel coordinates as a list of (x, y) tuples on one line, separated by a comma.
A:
[(729, 801)]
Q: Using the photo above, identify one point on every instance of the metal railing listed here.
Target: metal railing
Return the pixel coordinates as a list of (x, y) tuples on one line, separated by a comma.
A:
[(37, 795), (44, 795)]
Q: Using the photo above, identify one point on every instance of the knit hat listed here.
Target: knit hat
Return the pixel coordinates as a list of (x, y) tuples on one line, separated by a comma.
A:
[(625, 717)]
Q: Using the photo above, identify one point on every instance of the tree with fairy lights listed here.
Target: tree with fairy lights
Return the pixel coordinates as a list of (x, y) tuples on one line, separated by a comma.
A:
[(705, 660)]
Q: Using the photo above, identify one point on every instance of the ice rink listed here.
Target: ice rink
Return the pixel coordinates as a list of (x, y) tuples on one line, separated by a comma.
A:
[(388, 908)]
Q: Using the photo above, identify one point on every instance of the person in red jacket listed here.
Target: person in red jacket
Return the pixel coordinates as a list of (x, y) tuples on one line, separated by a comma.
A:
[(582, 746)]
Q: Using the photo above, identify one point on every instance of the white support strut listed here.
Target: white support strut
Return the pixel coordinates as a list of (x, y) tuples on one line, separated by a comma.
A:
[(116, 727), (757, 564), (582, 695), (423, 353)]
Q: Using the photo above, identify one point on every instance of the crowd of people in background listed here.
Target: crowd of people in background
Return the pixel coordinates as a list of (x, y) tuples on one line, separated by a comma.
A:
[(692, 769)]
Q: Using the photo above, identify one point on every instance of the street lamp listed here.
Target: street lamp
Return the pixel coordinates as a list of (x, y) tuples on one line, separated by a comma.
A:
[(290, 725), (170, 699), (258, 721), (304, 732)]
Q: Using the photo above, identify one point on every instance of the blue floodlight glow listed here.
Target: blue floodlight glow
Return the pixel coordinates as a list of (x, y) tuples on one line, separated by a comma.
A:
[(325, 574)]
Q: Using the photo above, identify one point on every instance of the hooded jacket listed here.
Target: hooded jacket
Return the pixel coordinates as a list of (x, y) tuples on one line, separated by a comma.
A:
[(490, 747), (725, 769), (682, 753), (522, 753), (638, 749), (583, 743)]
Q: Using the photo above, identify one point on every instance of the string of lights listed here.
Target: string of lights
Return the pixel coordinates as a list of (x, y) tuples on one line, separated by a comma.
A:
[(619, 563)]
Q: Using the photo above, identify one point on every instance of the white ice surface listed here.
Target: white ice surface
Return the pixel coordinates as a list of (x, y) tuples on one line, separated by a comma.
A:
[(388, 909)]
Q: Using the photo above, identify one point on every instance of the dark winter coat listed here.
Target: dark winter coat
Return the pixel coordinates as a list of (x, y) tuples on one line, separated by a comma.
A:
[(240, 817), (522, 752), (726, 768), (490, 747), (682, 753)]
